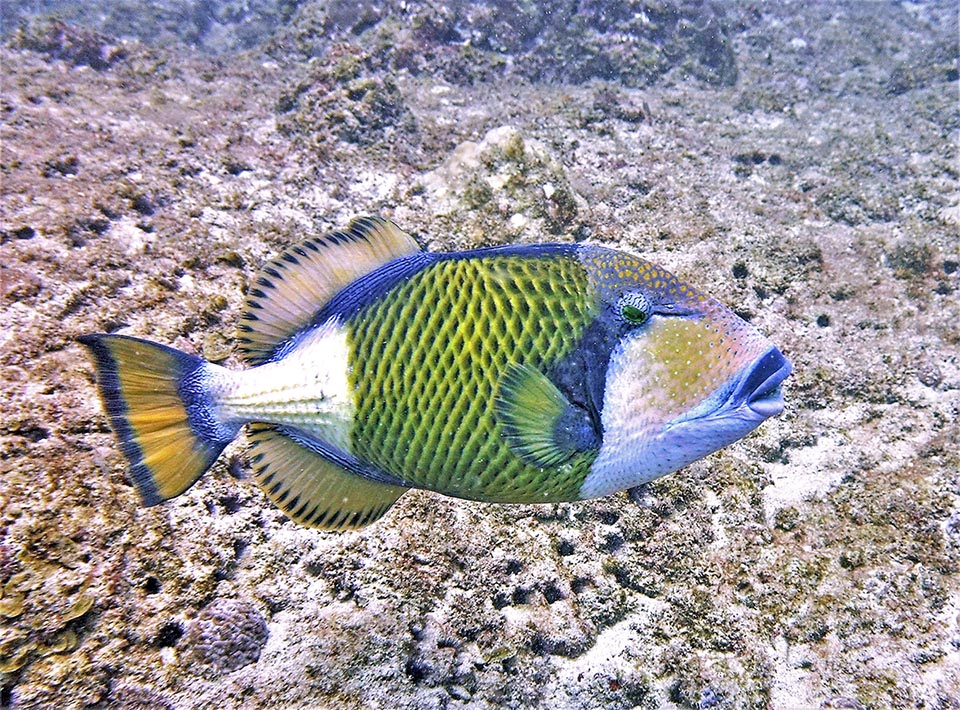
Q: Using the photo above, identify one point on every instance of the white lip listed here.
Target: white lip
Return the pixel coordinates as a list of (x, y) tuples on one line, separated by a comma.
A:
[(770, 404)]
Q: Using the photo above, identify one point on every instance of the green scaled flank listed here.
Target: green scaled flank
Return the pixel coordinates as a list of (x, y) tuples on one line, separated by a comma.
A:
[(427, 360)]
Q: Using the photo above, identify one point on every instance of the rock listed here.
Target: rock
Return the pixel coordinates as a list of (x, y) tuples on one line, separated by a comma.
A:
[(227, 635), (503, 187)]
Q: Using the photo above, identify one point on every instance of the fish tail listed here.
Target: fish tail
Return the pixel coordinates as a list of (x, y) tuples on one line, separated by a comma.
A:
[(159, 403)]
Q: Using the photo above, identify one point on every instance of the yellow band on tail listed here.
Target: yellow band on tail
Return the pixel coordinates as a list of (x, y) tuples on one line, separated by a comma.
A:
[(157, 402)]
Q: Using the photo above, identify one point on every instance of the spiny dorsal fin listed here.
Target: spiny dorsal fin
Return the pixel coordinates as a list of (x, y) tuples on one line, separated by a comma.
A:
[(291, 289), (540, 425), (312, 490)]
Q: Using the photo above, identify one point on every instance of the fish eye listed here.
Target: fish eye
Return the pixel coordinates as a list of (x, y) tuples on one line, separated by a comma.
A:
[(634, 308)]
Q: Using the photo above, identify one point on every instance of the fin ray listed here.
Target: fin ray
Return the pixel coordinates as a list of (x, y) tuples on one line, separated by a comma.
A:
[(540, 425)]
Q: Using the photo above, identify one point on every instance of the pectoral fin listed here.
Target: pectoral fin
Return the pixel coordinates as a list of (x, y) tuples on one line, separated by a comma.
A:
[(540, 425)]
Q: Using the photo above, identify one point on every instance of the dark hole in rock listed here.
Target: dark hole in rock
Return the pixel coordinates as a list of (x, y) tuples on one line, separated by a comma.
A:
[(612, 542), (609, 517), (753, 157), (417, 669), (230, 503), (31, 432), (552, 593), (143, 205), (168, 635), (235, 465), (579, 584), (520, 595), (235, 167)]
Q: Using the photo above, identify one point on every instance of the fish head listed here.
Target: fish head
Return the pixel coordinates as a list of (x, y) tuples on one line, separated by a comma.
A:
[(685, 377)]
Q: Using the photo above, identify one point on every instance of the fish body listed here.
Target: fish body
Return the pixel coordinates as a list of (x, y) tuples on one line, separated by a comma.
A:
[(512, 375)]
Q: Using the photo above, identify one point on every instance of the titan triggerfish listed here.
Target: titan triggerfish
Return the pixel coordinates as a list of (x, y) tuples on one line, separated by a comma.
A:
[(514, 374)]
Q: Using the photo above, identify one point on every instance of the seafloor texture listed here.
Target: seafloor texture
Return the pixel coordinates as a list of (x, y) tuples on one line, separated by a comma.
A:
[(798, 161)]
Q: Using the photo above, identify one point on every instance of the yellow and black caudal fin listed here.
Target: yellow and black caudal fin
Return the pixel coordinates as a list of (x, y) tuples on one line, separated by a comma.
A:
[(291, 289), (158, 406), (312, 490), (540, 425)]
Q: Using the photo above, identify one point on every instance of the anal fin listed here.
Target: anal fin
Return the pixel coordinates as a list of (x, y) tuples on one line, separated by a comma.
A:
[(311, 490)]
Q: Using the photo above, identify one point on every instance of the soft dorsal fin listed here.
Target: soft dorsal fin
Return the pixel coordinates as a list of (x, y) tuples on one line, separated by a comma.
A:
[(292, 288), (540, 425), (312, 490)]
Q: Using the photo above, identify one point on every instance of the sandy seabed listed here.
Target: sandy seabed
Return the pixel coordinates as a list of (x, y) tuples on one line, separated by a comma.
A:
[(809, 180)]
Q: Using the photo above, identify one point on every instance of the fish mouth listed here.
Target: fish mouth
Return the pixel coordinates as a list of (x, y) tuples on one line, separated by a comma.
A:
[(760, 387)]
